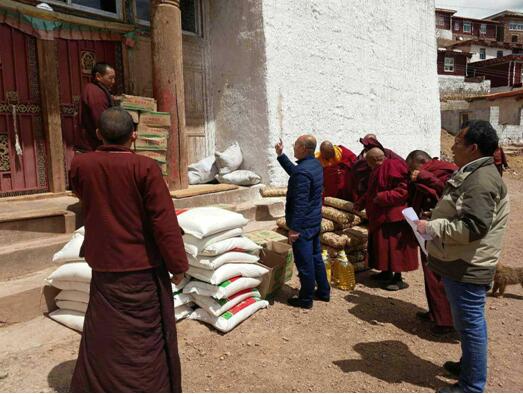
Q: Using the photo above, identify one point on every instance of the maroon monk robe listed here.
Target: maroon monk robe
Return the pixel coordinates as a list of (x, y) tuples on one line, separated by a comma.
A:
[(337, 176), (360, 170), (132, 242), (392, 246), (424, 194), (95, 100)]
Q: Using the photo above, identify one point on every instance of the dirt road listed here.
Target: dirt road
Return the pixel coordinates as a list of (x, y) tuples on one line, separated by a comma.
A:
[(367, 340)]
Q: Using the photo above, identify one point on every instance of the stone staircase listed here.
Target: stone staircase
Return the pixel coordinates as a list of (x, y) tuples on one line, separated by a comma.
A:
[(32, 231)]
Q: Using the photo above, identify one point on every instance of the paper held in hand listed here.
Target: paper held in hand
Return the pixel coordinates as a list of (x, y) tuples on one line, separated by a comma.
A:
[(411, 217)]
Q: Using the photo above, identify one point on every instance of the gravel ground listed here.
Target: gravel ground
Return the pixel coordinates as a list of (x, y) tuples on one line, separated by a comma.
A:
[(368, 340)]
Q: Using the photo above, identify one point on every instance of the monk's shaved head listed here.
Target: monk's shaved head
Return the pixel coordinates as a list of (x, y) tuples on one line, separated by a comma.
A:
[(116, 125), (375, 157), (417, 158), (327, 150), (371, 136)]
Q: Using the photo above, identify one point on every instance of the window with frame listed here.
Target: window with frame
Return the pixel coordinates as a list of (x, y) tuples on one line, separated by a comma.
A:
[(456, 26), (499, 54), (515, 26), (514, 38), (483, 28), (482, 53), (448, 66), (190, 10), (440, 21), (467, 27), (103, 7)]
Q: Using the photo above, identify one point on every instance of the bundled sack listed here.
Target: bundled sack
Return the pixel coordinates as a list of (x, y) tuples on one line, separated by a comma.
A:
[(203, 171), (223, 290), (72, 300), (181, 285), (71, 319), (229, 160), (358, 232), (195, 246), (240, 178), (72, 306), (218, 307), (341, 217), (71, 250), (273, 192), (236, 244), (212, 263), (183, 311), (232, 317), (71, 276), (227, 271), (205, 221), (326, 225), (344, 205), (333, 240), (181, 299)]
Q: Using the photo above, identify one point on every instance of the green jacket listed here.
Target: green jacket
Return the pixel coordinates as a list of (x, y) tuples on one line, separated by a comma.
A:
[(468, 224)]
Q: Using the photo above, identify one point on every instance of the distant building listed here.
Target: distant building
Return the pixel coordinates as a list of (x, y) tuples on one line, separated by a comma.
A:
[(510, 29), (503, 72)]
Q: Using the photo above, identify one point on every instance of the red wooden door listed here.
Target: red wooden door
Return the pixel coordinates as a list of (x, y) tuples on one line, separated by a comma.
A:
[(75, 59), (22, 170)]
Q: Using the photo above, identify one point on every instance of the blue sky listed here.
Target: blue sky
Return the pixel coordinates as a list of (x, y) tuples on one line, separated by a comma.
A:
[(480, 8)]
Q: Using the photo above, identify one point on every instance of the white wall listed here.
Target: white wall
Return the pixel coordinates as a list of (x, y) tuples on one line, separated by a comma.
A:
[(340, 70), (455, 87), (490, 52), (334, 68)]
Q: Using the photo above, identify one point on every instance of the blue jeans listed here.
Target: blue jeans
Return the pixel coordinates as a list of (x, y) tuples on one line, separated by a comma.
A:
[(467, 302), (311, 268)]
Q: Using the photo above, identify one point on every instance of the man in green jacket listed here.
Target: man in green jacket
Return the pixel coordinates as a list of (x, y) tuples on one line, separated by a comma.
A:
[(467, 228)]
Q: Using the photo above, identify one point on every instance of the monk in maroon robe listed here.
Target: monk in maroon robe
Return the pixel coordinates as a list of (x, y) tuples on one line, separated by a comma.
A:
[(427, 181), (132, 243), (500, 160), (95, 99), (336, 161), (392, 247), (360, 170)]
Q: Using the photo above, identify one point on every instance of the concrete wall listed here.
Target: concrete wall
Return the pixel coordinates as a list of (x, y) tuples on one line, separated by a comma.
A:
[(238, 80), (340, 70), (508, 133), (509, 109), (455, 88)]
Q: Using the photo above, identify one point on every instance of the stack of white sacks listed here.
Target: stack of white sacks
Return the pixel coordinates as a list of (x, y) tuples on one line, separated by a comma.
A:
[(73, 279), (224, 267)]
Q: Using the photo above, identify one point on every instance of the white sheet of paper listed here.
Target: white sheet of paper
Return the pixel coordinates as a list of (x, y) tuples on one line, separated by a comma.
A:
[(411, 217)]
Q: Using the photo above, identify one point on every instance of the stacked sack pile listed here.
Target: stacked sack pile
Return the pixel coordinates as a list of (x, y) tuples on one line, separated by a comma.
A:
[(72, 281), (223, 265), (343, 232)]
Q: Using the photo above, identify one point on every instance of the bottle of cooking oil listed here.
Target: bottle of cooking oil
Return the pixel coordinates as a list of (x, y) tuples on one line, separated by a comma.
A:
[(345, 273), (327, 262), (334, 269)]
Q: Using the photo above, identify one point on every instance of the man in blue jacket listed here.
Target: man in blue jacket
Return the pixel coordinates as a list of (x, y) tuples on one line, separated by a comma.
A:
[(303, 217)]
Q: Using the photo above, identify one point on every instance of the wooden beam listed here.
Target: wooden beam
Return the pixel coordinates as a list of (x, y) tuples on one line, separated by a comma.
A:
[(166, 29), (50, 93)]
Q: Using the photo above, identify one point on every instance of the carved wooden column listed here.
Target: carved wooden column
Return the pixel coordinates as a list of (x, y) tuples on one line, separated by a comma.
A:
[(166, 28)]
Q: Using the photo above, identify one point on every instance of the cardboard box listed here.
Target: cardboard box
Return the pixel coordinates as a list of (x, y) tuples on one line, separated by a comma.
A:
[(156, 119), (150, 143), (263, 237), (278, 258), (135, 115), (138, 103), (148, 131)]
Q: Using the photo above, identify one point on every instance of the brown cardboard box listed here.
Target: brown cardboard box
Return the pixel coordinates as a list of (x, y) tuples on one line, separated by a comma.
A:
[(263, 237), (148, 131), (150, 143), (138, 103), (278, 258), (135, 115), (156, 119)]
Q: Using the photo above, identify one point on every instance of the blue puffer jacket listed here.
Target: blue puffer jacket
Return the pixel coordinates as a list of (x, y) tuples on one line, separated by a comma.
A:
[(304, 195)]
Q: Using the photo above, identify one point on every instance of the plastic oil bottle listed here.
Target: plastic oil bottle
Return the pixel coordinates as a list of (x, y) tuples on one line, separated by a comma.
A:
[(345, 273), (334, 270), (327, 262)]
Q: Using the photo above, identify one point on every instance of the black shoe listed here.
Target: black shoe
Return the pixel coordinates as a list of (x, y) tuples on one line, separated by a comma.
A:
[(424, 316), (441, 330), (324, 299), (299, 303), (395, 286), (452, 367), (450, 389)]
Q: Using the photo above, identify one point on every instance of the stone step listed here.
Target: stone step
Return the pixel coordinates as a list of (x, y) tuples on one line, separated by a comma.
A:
[(26, 257)]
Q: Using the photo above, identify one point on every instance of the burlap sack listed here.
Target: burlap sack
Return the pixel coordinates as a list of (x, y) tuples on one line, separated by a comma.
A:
[(344, 205), (341, 217), (333, 240), (361, 266), (274, 192), (282, 224), (357, 231), (356, 257)]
